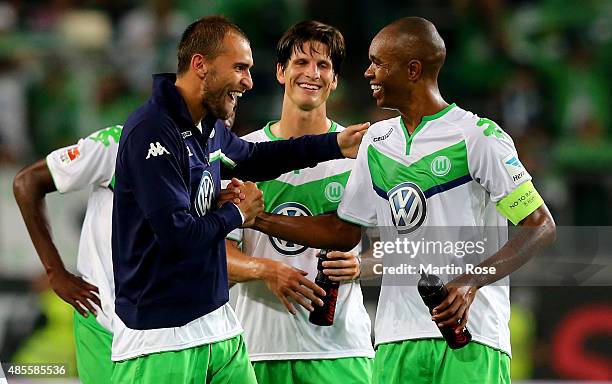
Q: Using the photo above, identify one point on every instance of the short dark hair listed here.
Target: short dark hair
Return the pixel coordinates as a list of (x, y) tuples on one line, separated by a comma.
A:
[(204, 36), (294, 39)]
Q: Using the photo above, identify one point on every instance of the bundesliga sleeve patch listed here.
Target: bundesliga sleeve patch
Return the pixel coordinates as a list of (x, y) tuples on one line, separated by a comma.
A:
[(514, 168), (520, 203), (69, 155)]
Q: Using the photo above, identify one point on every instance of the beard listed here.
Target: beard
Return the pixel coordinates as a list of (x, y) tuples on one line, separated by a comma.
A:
[(213, 98)]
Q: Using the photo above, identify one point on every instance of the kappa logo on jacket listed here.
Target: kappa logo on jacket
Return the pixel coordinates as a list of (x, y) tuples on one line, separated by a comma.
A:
[(156, 150)]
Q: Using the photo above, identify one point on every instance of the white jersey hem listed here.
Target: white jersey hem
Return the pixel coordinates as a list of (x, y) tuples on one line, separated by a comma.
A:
[(177, 347), (354, 220), (428, 335), (312, 355)]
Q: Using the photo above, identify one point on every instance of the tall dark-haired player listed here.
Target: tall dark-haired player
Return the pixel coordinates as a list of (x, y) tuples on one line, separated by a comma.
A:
[(285, 347)]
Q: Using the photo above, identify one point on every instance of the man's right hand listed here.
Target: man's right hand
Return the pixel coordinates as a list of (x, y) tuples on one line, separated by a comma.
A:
[(75, 291), (288, 282), (350, 139), (253, 203)]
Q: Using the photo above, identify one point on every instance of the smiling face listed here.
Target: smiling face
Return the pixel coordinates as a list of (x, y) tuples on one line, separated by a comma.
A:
[(308, 76), (227, 76), (389, 79)]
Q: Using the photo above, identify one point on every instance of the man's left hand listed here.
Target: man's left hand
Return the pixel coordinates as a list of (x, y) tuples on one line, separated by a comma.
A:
[(455, 307), (341, 266), (231, 193), (350, 139)]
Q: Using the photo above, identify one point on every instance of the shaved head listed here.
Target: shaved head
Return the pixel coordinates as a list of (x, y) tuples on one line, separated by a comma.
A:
[(413, 38)]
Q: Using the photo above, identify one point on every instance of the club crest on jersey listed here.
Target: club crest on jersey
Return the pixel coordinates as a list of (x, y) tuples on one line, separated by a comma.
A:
[(286, 247), (334, 191), (408, 207), (441, 166), (205, 195)]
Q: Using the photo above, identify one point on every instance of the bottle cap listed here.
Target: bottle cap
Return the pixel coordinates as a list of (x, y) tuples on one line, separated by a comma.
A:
[(428, 284)]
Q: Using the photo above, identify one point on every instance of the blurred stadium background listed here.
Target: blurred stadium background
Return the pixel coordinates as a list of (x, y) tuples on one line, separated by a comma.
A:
[(541, 69)]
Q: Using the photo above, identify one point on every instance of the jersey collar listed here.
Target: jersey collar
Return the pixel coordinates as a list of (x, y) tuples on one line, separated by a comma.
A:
[(424, 120), (273, 137), (168, 97)]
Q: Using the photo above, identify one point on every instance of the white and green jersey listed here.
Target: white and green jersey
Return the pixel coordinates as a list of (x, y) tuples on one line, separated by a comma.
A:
[(271, 332), (91, 162), (456, 170)]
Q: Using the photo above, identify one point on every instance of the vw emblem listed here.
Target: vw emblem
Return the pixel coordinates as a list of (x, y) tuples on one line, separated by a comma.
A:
[(205, 195), (408, 207), (286, 247)]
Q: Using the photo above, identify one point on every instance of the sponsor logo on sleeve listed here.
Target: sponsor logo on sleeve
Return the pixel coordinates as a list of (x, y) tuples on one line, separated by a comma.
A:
[(492, 129), (156, 149), (514, 168), (105, 135), (69, 155)]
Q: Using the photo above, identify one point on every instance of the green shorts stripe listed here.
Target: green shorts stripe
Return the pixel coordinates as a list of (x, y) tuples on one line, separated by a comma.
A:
[(216, 363), (93, 350), (431, 361), (354, 370)]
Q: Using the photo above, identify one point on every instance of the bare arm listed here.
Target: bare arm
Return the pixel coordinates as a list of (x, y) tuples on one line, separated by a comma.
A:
[(537, 232), (281, 279), (322, 231), (240, 266), (30, 188)]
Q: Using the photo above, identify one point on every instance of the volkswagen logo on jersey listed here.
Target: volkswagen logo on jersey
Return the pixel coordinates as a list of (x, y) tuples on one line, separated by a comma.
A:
[(408, 207), (286, 247), (205, 195)]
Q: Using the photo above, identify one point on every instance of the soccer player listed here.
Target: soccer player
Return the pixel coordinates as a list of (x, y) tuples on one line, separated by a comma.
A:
[(89, 163), (285, 347), (435, 165), (168, 242)]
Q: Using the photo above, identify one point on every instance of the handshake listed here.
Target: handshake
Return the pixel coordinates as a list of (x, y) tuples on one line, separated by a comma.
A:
[(247, 197)]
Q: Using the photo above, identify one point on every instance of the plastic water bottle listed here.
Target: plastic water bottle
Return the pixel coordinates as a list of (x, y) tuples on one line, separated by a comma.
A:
[(433, 292), (324, 316)]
